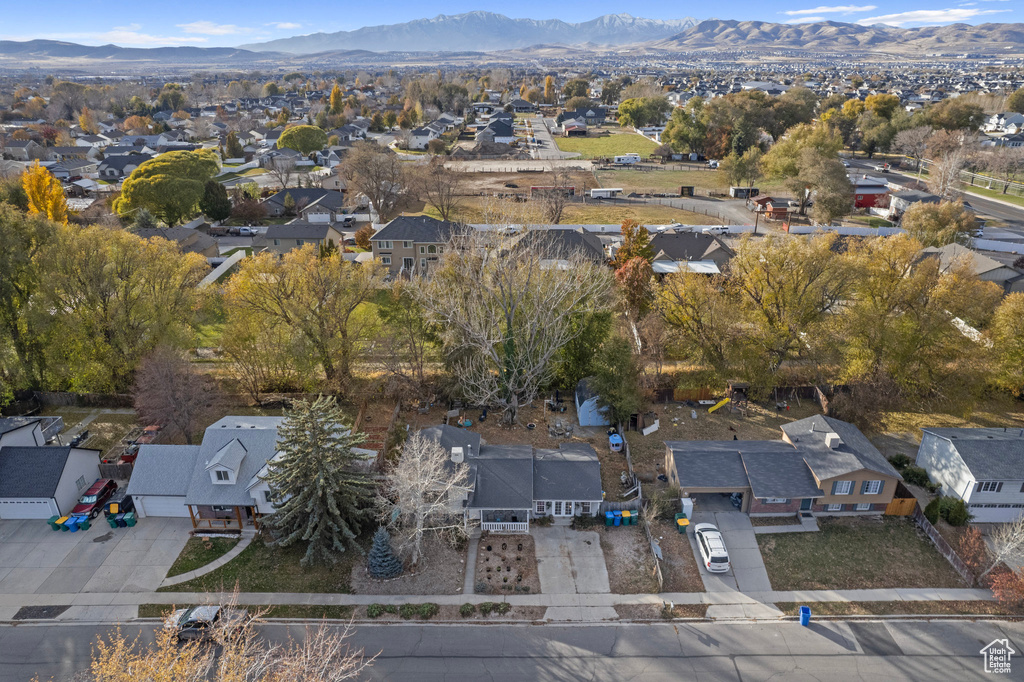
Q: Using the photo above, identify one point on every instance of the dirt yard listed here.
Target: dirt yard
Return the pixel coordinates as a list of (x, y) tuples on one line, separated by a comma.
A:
[(629, 560), (442, 571), (660, 611), (474, 183), (451, 612), (761, 423), (679, 567), (506, 564)]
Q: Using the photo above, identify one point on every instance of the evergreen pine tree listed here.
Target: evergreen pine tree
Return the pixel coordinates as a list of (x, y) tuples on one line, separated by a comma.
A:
[(233, 147), (214, 202), (289, 204), (383, 563), (319, 495)]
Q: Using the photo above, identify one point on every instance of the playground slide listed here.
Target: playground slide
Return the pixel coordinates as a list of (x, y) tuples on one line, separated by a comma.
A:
[(719, 404)]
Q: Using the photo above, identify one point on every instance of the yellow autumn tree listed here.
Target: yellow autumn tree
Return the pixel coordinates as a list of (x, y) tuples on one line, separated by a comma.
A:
[(336, 100), (45, 194), (87, 121)]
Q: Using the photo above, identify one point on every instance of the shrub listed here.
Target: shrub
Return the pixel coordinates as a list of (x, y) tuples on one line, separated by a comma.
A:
[(584, 522), (486, 608), (503, 607), (544, 520), (931, 512), (407, 611), (480, 587), (390, 608), (467, 610), (916, 475), (374, 610), (899, 461), (958, 514), (428, 610)]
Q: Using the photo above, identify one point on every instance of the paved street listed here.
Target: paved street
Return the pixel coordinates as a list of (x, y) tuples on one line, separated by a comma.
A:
[(870, 651), (546, 147)]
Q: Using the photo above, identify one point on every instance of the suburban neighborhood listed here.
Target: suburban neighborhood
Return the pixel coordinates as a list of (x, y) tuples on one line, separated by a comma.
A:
[(670, 347)]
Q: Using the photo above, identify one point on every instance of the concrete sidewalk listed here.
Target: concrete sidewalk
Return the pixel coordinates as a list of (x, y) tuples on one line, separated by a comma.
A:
[(247, 535)]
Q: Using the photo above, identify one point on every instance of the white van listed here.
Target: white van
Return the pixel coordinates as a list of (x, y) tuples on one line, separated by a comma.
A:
[(712, 547)]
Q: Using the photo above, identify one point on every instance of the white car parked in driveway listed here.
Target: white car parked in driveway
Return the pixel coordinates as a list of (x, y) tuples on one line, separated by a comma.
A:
[(712, 547)]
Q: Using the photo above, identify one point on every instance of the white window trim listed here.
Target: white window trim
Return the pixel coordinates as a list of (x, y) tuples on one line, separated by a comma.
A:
[(540, 507), (833, 507), (873, 488), (775, 500), (386, 260), (585, 508), (989, 487), (840, 488), (862, 506)]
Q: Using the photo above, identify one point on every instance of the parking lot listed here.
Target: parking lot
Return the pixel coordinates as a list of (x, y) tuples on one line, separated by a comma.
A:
[(37, 560)]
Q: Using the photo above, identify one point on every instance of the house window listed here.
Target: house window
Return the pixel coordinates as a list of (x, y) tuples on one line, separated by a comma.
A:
[(223, 475), (423, 263), (277, 242), (585, 508), (440, 249), (266, 496), (423, 249), (299, 242), (871, 487), (386, 260), (833, 507), (431, 249), (842, 488), (862, 506), (386, 245), (989, 487), (541, 508), (80, 483), (776, 500), (406, 245), (218, 508)]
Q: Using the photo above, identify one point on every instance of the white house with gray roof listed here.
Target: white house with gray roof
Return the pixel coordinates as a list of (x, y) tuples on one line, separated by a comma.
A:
[(982, 467), (37, 482)]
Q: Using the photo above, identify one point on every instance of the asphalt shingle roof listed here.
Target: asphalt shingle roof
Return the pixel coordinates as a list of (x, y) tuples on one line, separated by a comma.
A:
[(257, 434), (31, 471), (562, 243), (163, 470), (854, 453), (708, 464), (416, 229), (990, 454), (573, 472), (776, 469), (299, 231), (504, 478)]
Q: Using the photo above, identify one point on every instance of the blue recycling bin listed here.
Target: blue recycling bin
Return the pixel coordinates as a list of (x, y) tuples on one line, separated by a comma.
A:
[(805, 615), (609, 518), (618, 518), (72, 523)]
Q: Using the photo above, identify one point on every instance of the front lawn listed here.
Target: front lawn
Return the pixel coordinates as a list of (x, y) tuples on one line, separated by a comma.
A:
[(899, 608), (198, 552), (850, 553), (607, 146), (259, 568)]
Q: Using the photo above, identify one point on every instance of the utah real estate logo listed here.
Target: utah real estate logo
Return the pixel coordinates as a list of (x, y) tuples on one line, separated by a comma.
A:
[(997, 655)]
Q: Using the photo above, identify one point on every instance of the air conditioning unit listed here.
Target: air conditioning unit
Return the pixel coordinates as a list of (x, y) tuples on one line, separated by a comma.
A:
[(832, 440), (458, 456)]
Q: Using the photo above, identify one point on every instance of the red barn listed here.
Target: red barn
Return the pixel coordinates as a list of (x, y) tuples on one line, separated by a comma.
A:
[(869, 192)]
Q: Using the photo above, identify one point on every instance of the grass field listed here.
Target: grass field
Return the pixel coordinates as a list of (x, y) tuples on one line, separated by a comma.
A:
[(891, 608), (993, 194), (196, 555), (607, 146), (855, 553), (475, 210)]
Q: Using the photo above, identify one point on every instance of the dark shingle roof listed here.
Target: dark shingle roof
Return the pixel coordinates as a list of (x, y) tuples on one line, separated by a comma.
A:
[(163, 470), (12, 423), (776, 469), (708, 464), (299, 231), (687, 246), (573, 472), (562, 243), (416, 229), (990, 454), (504, 478), (31, 471), (854, 453)]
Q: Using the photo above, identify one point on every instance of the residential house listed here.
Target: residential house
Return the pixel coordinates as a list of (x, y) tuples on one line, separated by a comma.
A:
[(419, 138), (21, 431), (591, 117), (73, 168), (869, 192), (498, 131), (281, 239), (982, 467), (21, 150), (38, 482), (312, 204), (189, 240), (521, 106), (820, 466), (688, 251), (557, 244), (411, 244), (511, 484), (69, 153), (900, 201), (117, 167), (987, 269)]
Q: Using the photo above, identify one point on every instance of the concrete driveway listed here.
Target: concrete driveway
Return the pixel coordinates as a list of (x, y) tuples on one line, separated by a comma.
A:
[(748, 573), (570, 561), (37, 560)]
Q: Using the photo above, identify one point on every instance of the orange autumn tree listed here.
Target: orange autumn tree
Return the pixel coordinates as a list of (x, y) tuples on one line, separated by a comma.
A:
[(45, 194)]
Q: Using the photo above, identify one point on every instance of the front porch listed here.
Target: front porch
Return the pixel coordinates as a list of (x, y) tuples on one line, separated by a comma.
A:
[(222, 518), (505, 521)]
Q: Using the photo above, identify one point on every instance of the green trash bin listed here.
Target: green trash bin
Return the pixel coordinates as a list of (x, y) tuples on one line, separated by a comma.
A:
[(129, 519), (112, 521), (53, 522), (84, 523)]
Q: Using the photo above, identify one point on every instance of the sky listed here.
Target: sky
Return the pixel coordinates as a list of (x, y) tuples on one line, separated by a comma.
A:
[(216, 23)]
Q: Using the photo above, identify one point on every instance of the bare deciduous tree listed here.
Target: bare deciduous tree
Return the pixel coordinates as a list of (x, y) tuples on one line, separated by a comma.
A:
[(377, 173), (944, 176), (282, 169), (912, 142), (423, 495), (504, 309), (554, 199), (1007, 545), (170, 391), (440, 187)]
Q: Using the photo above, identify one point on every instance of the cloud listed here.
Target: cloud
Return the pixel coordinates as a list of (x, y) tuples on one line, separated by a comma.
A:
[(118, 35), (836, 9), (928, 16), (208, 28), (284, 24), (806, 20)]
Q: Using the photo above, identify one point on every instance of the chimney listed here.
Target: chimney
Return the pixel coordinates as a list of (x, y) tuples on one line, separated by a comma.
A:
[(832, 440), (457, 455)]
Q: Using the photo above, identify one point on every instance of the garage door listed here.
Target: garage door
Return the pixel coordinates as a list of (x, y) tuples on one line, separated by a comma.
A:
[(156, 505), (27, 509), (992, 513)]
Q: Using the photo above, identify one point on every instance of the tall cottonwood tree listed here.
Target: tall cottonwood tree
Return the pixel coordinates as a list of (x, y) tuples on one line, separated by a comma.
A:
[(377, 173), (45, 194), (440, 187), (321, 494), (315, 297), (170, 391), (505, 311)]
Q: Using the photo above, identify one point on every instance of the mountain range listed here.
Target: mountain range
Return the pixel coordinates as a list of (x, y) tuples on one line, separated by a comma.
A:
[(484, 31)]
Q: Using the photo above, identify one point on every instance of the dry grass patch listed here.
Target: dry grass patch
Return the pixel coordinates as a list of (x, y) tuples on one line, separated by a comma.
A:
[(107, 430), (997, 411), (660, 611), (898, 608), (679, 568), (442, 571), (851, 553), (629, 560)]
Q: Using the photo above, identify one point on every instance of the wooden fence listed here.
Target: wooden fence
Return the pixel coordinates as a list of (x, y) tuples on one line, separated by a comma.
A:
[(901, 506), (944, 547), (120, 472)]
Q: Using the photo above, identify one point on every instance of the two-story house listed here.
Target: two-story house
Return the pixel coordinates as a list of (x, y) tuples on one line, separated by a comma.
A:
[(982, 467), (281, 239), (411, 244)]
